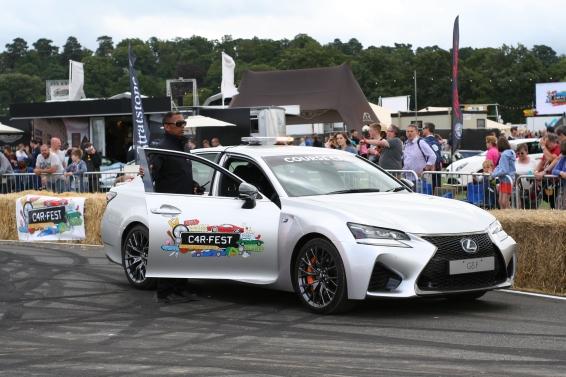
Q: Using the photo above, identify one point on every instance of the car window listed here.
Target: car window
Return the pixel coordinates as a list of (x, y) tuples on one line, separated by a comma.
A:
[(320, 175), (209, 156), (252, 174)]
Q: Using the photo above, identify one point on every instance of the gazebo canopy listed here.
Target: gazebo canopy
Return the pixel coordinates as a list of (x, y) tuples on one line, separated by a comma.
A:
[(324, 95)]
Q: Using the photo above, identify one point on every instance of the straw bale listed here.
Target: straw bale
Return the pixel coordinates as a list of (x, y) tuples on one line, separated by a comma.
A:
[(95, 204), (541, 243)]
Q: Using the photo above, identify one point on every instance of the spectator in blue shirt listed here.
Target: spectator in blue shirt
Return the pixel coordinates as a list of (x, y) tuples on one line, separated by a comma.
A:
[(308, 142), (505, 172), (344, 143)]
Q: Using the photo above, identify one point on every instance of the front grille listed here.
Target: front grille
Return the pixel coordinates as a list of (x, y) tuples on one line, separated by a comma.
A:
[(436, 274), (380, 276)]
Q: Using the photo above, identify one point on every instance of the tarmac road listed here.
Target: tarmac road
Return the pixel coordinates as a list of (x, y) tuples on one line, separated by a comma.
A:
[(65, 310)]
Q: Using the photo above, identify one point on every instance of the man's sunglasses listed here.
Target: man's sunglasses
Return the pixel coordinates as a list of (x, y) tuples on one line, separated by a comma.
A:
[(179, 123)]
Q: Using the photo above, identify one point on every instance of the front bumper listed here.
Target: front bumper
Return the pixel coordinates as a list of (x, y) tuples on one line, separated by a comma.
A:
[(375, 271)]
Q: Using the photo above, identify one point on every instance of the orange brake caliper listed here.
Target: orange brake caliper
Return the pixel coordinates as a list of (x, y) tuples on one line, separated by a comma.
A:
[(310, 278)]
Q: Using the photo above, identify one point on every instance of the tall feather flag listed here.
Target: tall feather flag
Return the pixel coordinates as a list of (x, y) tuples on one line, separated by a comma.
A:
[(141, 129), (456, 110)]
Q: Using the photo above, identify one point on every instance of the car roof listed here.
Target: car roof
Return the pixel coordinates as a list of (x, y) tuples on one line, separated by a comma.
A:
[(271, 150)]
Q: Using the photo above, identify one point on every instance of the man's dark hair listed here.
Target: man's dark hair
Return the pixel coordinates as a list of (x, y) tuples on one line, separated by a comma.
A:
[(352, 131), (514, 128), (563, 147), (169, 115), (503, 144), (35, 141), (430, 126), (395, 129), (560, 130), (550, 129)]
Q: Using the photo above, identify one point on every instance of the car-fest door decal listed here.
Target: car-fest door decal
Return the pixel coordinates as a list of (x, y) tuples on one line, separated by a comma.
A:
[(217, 240)]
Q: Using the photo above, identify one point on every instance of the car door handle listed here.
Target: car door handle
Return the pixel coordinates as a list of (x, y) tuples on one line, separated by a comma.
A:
[(166, 211)]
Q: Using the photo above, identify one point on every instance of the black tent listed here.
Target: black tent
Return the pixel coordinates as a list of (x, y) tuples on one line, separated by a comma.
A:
[(324, 95)]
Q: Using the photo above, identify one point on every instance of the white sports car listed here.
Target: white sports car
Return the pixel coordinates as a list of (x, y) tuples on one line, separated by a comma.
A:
[(327, 224)]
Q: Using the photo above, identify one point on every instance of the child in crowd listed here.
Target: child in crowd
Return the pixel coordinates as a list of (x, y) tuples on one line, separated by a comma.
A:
[(76, 170)]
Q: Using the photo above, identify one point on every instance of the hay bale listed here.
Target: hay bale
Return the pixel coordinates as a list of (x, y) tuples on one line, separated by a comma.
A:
[(95, 205), (541, 245)]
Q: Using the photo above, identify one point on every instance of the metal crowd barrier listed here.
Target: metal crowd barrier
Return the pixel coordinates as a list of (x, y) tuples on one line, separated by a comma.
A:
[(474, 188), (533, 193), (93, 182)]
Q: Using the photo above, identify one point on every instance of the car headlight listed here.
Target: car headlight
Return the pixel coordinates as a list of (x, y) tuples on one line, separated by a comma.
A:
[(461, 166), (371, 235), (495, 229)]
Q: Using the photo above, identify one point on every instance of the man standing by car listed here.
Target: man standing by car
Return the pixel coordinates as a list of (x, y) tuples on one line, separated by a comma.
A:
[(173, 175), (418, 155), (514, 131), (434, 144)]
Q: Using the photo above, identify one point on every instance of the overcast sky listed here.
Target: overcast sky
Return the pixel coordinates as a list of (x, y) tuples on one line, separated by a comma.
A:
[(483, 23)]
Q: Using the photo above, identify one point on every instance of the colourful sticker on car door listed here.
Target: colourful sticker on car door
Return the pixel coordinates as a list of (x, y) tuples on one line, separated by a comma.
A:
[(211, 240)]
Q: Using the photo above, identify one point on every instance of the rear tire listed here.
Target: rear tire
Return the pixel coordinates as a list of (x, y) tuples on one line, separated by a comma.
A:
[(320, 280), (134, 258)]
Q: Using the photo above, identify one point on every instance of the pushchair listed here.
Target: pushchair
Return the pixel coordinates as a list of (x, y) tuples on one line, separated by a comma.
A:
[(482, 194)]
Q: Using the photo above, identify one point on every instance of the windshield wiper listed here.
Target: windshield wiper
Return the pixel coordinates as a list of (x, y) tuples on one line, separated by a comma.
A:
[(396, 189), (350, 191)]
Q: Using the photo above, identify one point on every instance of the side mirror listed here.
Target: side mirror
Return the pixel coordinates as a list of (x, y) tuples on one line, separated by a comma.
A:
[(248, 193), (410, 185)]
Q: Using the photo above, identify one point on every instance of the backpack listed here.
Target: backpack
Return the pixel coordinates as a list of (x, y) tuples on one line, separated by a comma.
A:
[(434, 144)]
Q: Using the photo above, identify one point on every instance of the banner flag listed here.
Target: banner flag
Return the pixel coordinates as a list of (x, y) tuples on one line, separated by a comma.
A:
[(47, 218), (456, 110), (76, 81), (141, 129), (227, 86)]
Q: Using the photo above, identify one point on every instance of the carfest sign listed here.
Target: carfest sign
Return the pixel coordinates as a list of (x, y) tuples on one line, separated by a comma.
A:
[(46, 218)]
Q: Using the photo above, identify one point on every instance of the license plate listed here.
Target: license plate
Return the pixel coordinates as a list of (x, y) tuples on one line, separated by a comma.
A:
[(466, 266)]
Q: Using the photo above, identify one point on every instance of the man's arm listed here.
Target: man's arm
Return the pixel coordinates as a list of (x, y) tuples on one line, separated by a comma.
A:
[(4, 164), (378, 143)]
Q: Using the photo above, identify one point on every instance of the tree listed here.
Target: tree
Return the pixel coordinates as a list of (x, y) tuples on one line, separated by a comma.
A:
[(312, 55), (55, 72), (105, 46), (145, 61), (99, 76), (72, 50), (45, 49), (15, 52), (16, 88), (190, 71), (545, 54), (29, 69)]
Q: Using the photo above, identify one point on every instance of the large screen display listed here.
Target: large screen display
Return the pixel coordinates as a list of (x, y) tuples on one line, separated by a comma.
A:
[(551, 98)]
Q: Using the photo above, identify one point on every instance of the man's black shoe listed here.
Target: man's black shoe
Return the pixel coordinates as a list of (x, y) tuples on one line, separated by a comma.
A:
[(189, 295), (173, 298)]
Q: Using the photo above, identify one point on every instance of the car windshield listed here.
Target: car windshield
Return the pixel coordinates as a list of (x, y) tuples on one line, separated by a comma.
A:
[(305, 175)]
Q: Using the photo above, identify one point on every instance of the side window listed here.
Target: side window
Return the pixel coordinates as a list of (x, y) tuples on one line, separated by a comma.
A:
[(252, 174), (202, 174), (209, 156)]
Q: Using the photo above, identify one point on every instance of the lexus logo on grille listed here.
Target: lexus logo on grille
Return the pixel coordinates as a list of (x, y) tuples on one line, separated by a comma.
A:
[(469, 245)]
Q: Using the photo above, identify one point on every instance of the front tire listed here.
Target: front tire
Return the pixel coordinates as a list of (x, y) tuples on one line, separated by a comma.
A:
[(134, 258), (320, 280)]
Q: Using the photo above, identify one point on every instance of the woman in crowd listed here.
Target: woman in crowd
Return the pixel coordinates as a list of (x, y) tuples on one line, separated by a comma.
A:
[(302, 142), (205, 143), (523, 166), (22, 154), (344, 144), (560, 170), (492, 151), (505, 172), (331, 142), (11, 156)]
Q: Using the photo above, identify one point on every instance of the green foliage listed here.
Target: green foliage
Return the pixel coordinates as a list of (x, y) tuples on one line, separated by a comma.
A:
[(506, 75), (17, 87)]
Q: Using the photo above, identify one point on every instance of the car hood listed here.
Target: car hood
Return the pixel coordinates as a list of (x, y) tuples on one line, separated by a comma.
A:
[(409, 212)]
